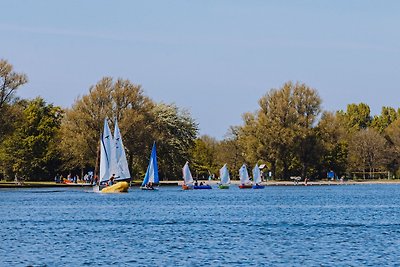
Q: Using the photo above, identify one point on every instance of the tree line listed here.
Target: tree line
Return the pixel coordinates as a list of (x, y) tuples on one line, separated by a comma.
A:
[(289, 133)]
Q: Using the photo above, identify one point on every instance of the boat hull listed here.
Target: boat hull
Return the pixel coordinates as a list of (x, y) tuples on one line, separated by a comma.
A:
[(121, 187), (149, 188), (223, 186), (245, 186), (258, 186), (186, 187), (202, 186)]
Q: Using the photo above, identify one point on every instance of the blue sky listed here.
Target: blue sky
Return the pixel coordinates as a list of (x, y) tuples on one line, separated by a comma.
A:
[(214, 58)]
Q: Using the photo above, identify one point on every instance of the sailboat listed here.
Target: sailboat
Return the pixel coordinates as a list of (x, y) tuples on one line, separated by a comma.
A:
[(244, 178), (187, 177), (257, 178), (151, 176), (107, 163), (225, 178)]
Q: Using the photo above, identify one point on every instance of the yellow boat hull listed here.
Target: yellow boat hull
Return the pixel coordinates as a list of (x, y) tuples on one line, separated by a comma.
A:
[(120, 187)]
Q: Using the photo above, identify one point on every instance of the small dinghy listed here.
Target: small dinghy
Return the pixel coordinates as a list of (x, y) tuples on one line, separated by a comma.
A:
[(244, 178), (151, 177), (204, 186), (225, 178), (187, 177), (257, 178)]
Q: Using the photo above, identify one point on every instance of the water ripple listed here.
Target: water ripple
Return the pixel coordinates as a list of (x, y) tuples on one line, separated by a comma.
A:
[(279, 226)]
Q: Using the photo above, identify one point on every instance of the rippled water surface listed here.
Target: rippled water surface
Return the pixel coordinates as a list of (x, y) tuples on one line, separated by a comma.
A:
[(278, 226)]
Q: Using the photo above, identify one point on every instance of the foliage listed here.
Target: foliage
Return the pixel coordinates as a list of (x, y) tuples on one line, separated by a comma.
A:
[(287, 133), (392, 135), (356, 117), (31, 151), (281, 132), (141, 122), (204, 161), (10, 81), (229, 151), (367, 151), (387, 117), (332, 136), (175, 132)]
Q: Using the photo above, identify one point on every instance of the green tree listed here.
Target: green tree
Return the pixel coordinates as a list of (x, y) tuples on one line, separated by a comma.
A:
[(250, 139), (356, 117), (284, 129), (175, 132), (276, 119), (332, 136), (308, 107), (392, 134), (204, 157), (382, 121), (141, 122), (31, 150), (10, 81), (229, 151), (83, 123), (367, 152)]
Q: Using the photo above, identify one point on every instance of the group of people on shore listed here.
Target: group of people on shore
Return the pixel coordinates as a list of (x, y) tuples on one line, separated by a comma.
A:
[(88, 178)]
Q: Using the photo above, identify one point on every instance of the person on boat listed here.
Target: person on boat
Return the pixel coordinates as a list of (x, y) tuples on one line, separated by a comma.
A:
[(201, 183), (111, 181), (149, 185), (196, 183), (95, 179)]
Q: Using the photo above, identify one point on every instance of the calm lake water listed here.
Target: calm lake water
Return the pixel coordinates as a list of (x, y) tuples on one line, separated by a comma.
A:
[(353, 225)]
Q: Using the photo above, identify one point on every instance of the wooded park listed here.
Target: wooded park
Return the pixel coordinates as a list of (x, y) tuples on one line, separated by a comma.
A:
[(289, 133)]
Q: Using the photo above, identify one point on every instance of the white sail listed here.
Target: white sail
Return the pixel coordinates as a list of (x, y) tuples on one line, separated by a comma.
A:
[(256, 175), (224, 175), (244, 175), (120, 167), (151, 171), (187, 175), (105, 153)]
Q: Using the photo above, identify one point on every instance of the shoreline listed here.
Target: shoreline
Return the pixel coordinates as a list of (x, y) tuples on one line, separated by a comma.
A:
[(179, 183)]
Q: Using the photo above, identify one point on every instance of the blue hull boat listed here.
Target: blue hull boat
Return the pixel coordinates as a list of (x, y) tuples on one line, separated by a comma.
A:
[(202, 186), (258, 186)]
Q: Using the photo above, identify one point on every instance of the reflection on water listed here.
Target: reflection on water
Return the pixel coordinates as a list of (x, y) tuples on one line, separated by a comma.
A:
[(277, 226)]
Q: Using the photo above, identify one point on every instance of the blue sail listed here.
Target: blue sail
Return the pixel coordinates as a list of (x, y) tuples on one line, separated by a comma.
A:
[(152, 169)]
